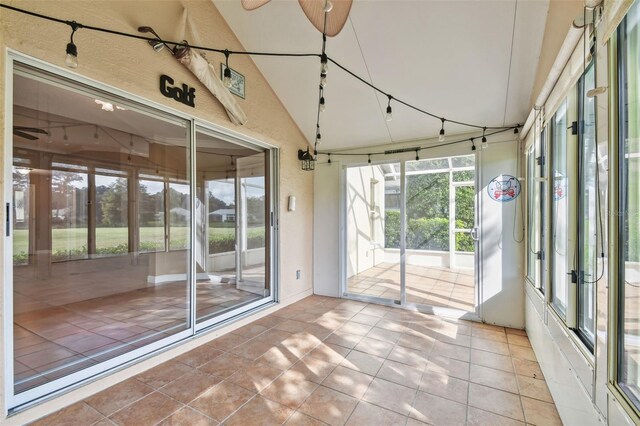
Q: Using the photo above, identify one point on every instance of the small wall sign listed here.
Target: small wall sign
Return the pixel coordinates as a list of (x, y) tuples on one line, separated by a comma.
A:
[(559, 187), (504, 188), (184, 94), (237, 81)]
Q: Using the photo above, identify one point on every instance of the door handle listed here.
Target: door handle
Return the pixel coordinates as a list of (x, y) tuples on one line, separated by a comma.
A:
[(474, 234)]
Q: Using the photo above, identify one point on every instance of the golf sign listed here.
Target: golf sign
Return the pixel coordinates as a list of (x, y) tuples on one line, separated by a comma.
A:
[(504, 188)]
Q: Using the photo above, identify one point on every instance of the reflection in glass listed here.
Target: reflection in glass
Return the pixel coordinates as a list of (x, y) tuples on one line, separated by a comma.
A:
[(559, 210), (91, 277), (232, 238), (589, 269), (629, 227)]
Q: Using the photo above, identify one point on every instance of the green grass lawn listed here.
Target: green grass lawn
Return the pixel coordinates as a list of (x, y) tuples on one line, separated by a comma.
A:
[(73, 239)]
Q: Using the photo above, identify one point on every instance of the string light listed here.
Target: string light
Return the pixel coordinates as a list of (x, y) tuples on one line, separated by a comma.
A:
[(95, 136), (324, 67), (369, 159), (329, 159), (65, 137), (484, 139), (441, 137), (226, 80), (417, 156), (389, 115), (515, 130), (473, 145), (322, 105), (323, 80), (71, 57)]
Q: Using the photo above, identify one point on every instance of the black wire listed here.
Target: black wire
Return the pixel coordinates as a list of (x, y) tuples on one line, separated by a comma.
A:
[(77, 25), (420, 148)]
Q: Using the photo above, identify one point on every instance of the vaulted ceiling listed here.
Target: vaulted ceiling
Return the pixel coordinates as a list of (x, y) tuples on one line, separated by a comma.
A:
[(468, 60)]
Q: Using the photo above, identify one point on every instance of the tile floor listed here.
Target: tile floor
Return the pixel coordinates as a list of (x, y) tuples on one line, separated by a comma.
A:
[(434, 286), (52, 341), (332, 361)]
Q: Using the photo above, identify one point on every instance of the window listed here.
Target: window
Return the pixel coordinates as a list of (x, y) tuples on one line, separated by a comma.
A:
[(629, 204), (588, 205), (559, 186), (536, 191)]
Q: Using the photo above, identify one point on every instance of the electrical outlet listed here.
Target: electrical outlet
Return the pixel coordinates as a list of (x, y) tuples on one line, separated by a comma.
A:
[(298, 274)]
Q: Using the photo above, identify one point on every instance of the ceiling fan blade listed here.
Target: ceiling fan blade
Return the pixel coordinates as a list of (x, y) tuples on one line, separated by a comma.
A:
[(314, 9), (253, 4), (31, 130), (24, 135)]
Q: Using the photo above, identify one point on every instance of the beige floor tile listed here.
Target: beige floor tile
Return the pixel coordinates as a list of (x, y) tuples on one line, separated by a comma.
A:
[(228, 341), (452, 351), (534, 388), (402, 374), (353, 327), (225, 365), (344, 339), (409, 356), (188, 416), (493, 378), (199, 356), (492, 360), (290, 389), (149, 410), (118, 396), (496, 336), (515, 339), (496, 401), (444, 386), (76, 414), (540, 413), (279, 357), (437, 411), (164, 374), (449, 366), (477, 417), (527, 368), (260, 411), (256, 377), (391, 396), (313, 369), (348, 381), (190, 386), (363, 318), (329, 406), (362, 362), (330, 353), (489, 346), (301, 419), (522, 352), (222, 400), (384, 335), (368, 414)]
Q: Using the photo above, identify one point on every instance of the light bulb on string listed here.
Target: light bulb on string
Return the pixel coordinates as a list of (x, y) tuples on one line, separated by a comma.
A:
[(515, 130), (329, 160), (484, 138), (65, 138), (441, 136), (226, 80), (324, 63), (473, 145), (322, 104), (389, 115), (71, 56), (328, 6), (369, 159), (95, 136), (323, 80), (417, 156)]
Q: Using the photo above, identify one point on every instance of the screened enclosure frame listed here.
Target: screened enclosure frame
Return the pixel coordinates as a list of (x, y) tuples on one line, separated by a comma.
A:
[(17, 62), (402, 173)]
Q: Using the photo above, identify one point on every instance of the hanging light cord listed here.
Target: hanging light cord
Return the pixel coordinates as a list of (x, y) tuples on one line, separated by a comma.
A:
[(77, 25)]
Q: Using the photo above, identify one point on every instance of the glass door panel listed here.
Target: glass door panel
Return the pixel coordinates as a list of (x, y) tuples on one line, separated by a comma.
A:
[(92, 281), (440, 256), (373, 221), (232, 211)]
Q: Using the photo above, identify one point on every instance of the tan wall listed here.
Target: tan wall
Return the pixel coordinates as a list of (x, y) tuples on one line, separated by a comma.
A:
[(133, 66)]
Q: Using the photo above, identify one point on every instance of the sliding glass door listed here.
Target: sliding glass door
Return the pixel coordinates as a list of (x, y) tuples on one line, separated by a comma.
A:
[(422, 250), (373, 212), (128, 231)]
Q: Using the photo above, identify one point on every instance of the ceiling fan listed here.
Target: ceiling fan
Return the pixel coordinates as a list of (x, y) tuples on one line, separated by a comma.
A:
[(24, 132), (335, 11)]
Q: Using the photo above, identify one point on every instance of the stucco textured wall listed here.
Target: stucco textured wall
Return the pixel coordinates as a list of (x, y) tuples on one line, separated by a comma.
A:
[(133, 66)]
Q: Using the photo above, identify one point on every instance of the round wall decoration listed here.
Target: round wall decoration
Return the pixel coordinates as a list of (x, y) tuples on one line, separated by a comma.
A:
[(504, 188)]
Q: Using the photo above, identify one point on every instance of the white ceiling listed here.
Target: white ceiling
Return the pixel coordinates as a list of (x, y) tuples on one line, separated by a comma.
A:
[(467, 60)]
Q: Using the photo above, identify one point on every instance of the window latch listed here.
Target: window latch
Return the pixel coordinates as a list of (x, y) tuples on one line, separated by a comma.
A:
[(574, 128), (540, 255), (8, 220), (574, 276)]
